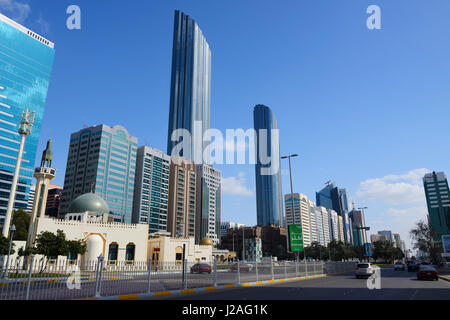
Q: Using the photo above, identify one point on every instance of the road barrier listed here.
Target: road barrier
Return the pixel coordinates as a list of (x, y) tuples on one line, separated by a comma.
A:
[(44, 279)]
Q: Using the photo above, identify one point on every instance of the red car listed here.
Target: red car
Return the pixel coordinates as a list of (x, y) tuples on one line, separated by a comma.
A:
[(201, 268), (427, 272)]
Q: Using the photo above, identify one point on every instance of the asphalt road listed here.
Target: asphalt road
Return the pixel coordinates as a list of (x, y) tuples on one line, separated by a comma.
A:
[(395, 285)]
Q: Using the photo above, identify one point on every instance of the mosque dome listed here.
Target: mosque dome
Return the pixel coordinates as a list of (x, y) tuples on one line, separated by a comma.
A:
[(88, 202), (206, 242)]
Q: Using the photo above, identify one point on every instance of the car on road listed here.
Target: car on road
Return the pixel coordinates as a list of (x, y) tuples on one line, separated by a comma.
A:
[(201, 268), (399, 266), (243, 266), (427, 272), (412, 266), (364, 270)]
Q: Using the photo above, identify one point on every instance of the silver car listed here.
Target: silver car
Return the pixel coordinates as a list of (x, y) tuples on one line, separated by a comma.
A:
[(364, 270)]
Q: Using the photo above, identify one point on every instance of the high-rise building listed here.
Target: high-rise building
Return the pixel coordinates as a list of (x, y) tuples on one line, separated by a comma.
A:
[(26, 61), (102, 160), (319, 226), (341, 228), (358, 222), (378, 237), (334, 225), (438, 202), (387, 234), (313, 222), (397, 241), (181, 216), (331, 197), (151, 189), (53, 200), (208, 203), (301, 214), (31, 193), (269, 198), (190, 92), (225, 225), (326, 224)]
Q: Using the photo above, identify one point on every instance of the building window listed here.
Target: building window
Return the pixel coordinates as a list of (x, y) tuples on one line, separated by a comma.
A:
[(112, 255), (129, 255)]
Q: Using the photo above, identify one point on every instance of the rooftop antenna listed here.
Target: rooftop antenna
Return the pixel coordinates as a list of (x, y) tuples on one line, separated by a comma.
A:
[(328, 182)]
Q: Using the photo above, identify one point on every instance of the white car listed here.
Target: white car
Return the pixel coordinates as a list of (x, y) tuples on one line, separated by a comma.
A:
[(364, 270)]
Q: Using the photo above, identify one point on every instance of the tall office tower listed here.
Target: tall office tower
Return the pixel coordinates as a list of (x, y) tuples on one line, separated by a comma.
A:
[(102, 160), (26, 61), (332, 197), (300, 215), (358, 222), (397, 241), (438, 202), (190, 91), (319, 225), (208, 204), (387, 234), (30, 202), (334, 227), (269, 198), (182, 198), (151, 189), (326, 225), (53, 200)]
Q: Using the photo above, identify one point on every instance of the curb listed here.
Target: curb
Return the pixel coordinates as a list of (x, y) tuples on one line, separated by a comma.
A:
[(197, 290), (444, 278)]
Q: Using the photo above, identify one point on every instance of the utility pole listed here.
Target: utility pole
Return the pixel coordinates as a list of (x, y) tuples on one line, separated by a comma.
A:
[(26, 124)]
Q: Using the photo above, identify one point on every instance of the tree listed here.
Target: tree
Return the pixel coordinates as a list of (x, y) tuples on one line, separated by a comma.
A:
[(75, 247), (21, 220), (50, 245), (4, 246), (422, 236)]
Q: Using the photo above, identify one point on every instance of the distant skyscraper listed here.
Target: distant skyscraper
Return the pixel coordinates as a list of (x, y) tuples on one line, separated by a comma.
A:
[(378, 237), (224, 226), (102, 160), (151, 189), (269, 198), (332, 197), (208, 203), (53, 201), (190, 93), (438, 202), (358, 222), (26, 61), (387, 234), (397, 241), (301, 215)]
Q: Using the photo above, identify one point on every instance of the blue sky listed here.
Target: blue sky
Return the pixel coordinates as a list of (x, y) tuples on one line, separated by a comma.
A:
[(365, 108)]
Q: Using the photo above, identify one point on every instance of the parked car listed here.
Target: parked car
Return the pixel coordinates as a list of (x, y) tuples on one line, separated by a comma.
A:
[(399, 266), (413, 267), (243, 266), (201, 268), (364, 270), (427, 272)]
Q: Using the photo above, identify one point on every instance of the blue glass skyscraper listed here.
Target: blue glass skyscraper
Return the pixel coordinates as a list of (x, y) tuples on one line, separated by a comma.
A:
[(26, 61), (269, 201), (190, 92)]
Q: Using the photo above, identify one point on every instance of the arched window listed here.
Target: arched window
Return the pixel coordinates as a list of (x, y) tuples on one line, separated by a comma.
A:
[(113, 249), (129, 255)]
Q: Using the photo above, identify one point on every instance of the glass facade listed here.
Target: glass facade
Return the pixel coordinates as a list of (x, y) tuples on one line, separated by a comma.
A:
[(151, 194), (269, 201), (102, 160), (190, 92), (26, 61)]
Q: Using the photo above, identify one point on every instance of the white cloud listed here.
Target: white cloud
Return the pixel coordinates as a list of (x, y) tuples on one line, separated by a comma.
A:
[(43, 25), (235, 186), (394, 189), (17, 11)]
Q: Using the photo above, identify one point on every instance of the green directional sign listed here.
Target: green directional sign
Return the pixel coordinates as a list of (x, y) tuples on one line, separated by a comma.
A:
[(296, 238)]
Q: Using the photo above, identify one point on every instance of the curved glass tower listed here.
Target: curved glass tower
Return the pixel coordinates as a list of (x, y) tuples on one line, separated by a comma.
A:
[(190, 92), (269, 199)]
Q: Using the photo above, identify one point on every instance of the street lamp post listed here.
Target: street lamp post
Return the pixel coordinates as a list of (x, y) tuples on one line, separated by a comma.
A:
[(292, 202), (11, 229)]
